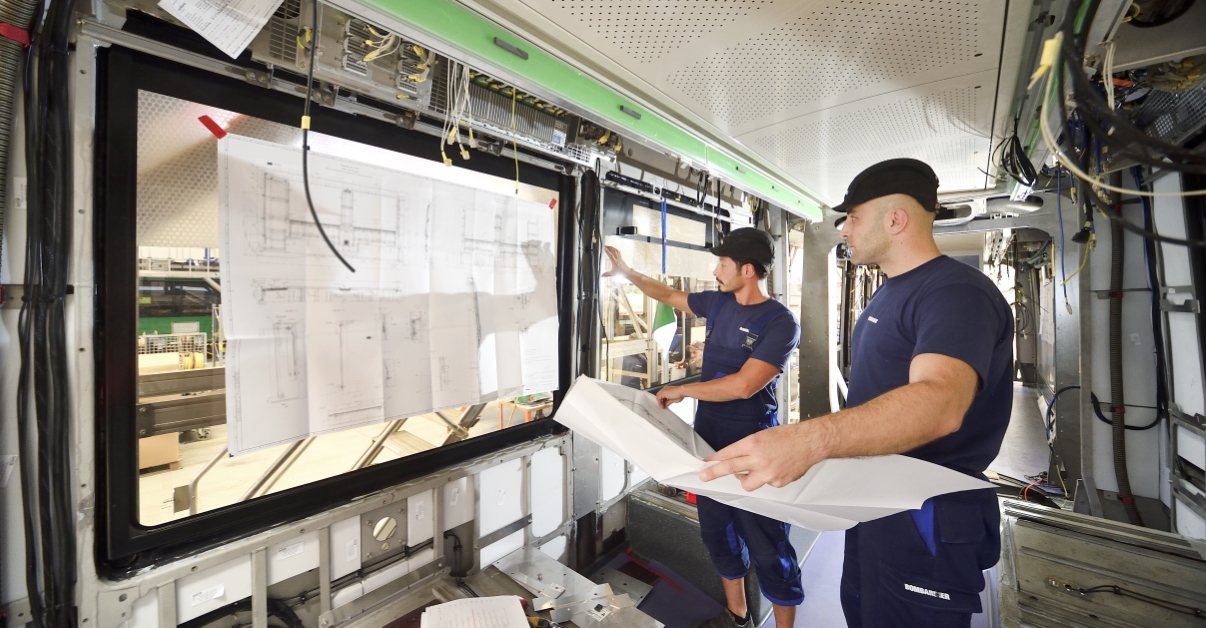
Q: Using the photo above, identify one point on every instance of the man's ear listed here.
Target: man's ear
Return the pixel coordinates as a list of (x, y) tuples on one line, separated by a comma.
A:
[(898, 220)]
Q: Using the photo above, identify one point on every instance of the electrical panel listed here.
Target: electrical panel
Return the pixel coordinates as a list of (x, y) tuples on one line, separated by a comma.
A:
[(356, 57)]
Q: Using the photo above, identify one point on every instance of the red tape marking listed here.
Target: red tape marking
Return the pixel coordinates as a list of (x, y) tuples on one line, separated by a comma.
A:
[(552, 203), (19, 35), (213, 127)]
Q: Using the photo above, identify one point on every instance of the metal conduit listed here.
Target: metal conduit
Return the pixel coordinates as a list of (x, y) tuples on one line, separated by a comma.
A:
[(19, 13), (1117, 418)]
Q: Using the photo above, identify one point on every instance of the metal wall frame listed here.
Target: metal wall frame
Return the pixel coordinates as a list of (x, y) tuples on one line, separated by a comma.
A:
[(114, 599)]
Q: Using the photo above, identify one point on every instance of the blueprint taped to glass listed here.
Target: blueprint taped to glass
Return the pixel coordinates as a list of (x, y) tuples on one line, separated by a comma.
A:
[(835, 494)]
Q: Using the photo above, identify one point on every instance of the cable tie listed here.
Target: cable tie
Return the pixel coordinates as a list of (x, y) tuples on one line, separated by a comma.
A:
[(1114, 294), (1118, 409), (15, 33), (1126, 500), (305, 123)]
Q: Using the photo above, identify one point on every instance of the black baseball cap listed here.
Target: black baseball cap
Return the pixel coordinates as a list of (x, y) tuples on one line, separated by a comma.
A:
[(894, 176), (747, 243)]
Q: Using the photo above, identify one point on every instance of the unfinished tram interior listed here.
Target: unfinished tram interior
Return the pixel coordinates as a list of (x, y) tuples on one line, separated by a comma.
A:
[(240, 239)]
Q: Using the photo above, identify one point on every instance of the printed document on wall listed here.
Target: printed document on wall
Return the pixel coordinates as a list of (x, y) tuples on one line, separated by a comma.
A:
[(452, 301)]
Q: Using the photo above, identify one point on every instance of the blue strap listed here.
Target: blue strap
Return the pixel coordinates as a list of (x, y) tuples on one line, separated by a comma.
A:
[(754, 331), (720, 303), (763, 321), (924, 520), (664, 237)]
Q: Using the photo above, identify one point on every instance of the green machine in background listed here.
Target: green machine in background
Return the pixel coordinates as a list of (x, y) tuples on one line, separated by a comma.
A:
[(168, 305)]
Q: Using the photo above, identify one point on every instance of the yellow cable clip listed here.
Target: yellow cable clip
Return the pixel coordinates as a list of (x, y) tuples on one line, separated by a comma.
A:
[(305, 125), (1047, 59)]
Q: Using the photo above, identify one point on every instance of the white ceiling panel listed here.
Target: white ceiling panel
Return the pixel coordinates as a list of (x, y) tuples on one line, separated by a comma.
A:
[(945, 124), (818, 88)]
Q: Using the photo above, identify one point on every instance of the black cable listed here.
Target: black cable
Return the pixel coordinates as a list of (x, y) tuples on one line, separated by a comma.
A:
[(1112, 129), (1049, 421), (45, 445), (1154, 601), (457, 570), (1115, 215), (306, 136), (1153, 280)]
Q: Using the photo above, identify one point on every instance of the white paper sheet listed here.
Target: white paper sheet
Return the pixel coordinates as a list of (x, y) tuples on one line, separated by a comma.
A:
[(479, 612), (834, 495), (453, 301), (229, 25)]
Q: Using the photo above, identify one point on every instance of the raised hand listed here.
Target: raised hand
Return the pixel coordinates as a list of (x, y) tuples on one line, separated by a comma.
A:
[(618, 267)]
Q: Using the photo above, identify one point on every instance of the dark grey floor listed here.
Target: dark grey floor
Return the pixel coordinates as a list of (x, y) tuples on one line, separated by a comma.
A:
[(1024, 451)]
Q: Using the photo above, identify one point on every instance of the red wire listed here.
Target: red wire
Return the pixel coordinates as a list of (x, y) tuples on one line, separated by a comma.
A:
[(655, 572), (1026, 490)]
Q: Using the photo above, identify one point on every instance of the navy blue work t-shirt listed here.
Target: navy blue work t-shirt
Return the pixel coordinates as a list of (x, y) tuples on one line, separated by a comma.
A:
[(949, 308), (778, 339)]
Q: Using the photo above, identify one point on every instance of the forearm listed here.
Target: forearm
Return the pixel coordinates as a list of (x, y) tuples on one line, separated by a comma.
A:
[(895, 422), (653, 288), (727, 388)]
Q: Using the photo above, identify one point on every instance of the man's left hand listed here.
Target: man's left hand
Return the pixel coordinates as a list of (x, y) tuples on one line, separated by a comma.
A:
[(776, 456), (670, 394)]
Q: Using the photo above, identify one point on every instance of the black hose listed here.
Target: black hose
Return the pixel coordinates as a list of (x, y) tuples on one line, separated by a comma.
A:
[(1117, 418)]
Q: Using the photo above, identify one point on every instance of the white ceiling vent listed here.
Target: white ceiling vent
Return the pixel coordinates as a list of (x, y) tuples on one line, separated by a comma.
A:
[(833, 48), (646, 30)]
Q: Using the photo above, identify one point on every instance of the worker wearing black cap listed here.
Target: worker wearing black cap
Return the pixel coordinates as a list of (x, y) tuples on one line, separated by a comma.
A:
[(749, 340), (932, 378)]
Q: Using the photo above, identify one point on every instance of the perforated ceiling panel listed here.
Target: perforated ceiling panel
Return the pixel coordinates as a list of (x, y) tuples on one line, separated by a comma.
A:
[(819, 88), (646, 30), (821, 54)]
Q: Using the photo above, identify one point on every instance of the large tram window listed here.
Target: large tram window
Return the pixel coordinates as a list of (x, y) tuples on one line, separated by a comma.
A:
[(644, 343), (182, 460)]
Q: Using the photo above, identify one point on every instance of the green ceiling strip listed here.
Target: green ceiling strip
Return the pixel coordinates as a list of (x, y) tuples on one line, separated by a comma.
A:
[(458, 27)]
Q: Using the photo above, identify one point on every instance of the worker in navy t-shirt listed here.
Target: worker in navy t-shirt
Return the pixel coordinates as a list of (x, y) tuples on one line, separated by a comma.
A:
[(750, 338), (932, 378)]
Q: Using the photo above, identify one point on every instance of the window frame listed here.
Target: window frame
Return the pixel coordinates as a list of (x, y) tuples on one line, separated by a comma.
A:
[(123, 545)]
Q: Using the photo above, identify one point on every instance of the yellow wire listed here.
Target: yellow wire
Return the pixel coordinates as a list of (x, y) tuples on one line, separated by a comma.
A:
[(1084, 260), (514, 143)]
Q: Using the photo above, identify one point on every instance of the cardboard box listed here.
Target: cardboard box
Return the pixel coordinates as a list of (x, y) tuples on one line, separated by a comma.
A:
[(155, 451)]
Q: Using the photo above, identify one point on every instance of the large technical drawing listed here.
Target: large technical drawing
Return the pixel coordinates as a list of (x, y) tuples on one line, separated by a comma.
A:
[(452, 303)]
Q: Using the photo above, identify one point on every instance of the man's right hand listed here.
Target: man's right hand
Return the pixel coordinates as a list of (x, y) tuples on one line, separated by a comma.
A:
[(618, 267)]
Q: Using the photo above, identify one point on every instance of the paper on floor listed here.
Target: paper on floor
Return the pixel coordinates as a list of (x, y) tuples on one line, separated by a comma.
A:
[(479, 612), (834, 495)]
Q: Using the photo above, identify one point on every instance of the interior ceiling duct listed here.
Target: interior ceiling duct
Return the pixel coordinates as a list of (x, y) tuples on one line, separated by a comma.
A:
[(820, 89)]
